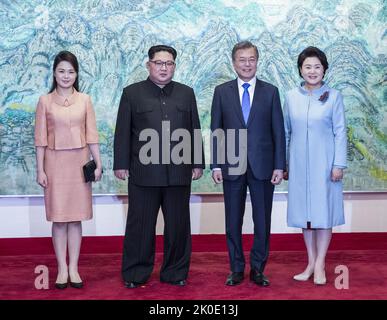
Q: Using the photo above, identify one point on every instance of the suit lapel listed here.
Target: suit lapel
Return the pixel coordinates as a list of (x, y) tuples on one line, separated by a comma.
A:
[(235, 102), (254, 104)]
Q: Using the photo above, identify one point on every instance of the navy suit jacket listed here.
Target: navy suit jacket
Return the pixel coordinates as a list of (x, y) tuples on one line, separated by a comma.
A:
[(266, 146)]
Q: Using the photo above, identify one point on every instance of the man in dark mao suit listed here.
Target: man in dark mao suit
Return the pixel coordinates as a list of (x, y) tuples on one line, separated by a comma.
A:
[(149, 114), (252, 108)]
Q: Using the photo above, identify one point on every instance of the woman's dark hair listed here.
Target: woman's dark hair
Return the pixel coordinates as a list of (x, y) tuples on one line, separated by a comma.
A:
[(70, 58), (312, 52), (153, 50)]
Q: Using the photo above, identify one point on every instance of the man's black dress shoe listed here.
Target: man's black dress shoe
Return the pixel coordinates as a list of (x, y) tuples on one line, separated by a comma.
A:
[(180, 283), (132, 284), (61, 285), (259, 278), (76, 285), (234, 278)]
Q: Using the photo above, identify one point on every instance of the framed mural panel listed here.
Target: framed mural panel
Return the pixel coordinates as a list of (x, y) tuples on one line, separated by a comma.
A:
[(111, 40)]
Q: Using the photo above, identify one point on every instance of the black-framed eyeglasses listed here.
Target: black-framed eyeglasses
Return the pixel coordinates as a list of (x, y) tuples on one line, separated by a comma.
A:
[(159, 63)]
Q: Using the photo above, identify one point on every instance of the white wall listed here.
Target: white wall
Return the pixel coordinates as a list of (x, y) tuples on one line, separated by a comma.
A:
[(25, 216)]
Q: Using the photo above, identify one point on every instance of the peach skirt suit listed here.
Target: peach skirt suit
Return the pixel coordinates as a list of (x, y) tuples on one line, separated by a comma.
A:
[(65, 126)]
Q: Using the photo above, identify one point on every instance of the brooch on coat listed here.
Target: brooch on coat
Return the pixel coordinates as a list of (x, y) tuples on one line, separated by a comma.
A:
[(324, 97)]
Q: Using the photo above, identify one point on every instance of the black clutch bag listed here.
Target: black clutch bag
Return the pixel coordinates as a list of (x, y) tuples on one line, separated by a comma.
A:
[(88, 171)]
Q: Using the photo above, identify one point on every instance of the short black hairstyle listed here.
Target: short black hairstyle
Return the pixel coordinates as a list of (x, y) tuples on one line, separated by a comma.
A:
[(152, 51), (243, 45), (72, 59), (312, 52)]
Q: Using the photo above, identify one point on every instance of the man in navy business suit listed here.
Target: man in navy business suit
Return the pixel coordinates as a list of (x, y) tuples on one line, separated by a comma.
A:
[(252, 109)]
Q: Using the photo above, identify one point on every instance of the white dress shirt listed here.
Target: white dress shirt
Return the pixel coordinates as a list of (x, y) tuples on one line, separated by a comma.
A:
[(250, 89)]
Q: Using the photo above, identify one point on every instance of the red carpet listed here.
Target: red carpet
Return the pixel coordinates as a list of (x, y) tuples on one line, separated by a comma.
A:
[(365, 255), (200, 243)]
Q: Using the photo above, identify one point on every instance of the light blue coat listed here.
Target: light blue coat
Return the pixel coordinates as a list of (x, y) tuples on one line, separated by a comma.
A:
[(316, 141)]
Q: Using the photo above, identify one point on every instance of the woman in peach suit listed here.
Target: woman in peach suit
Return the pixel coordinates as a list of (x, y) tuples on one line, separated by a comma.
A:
[(65, 134)]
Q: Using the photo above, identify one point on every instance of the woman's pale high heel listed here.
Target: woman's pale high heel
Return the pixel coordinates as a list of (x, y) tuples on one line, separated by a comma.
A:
[(303, 276), (320, 281)]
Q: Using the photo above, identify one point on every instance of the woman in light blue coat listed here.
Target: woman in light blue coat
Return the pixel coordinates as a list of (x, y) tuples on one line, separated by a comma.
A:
[(316, 155)]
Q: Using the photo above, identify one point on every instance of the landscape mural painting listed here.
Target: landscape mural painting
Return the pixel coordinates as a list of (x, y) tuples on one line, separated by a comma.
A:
[(111, 39)]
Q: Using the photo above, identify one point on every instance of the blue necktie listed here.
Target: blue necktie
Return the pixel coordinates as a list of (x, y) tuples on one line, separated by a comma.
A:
[(246, 101)]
